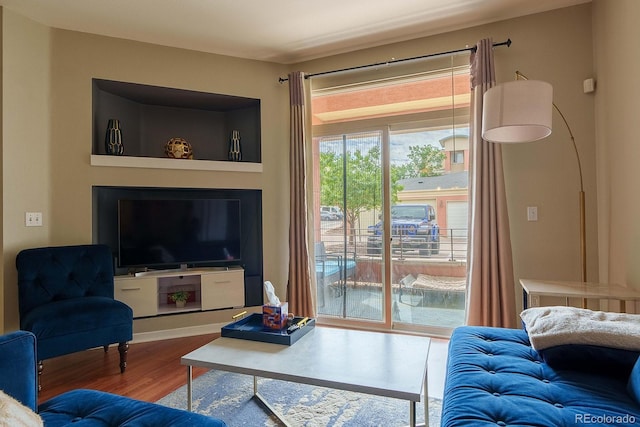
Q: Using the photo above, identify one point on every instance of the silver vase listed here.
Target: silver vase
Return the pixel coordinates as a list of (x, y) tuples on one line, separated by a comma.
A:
[(113, 139), (235, 151)]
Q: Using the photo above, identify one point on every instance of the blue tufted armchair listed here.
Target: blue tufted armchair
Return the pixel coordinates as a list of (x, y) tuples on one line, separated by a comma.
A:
[(65, 296)]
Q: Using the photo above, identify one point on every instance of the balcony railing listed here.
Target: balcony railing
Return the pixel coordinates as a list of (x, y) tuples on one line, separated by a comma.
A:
[(425, 284), (451, 247)]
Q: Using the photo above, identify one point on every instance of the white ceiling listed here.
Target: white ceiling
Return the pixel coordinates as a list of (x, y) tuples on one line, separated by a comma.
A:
[(283, 31)]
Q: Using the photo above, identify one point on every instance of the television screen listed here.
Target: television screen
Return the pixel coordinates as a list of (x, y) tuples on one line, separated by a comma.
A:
[(163, 233)]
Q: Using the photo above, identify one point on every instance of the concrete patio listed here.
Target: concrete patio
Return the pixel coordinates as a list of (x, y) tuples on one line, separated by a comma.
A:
[(365, 302)]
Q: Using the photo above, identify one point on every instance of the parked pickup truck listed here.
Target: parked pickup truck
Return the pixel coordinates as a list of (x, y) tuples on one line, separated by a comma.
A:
[(413, 227)]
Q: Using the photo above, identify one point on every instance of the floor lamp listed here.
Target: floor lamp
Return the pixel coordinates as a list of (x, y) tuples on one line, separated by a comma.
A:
[(520, 111)]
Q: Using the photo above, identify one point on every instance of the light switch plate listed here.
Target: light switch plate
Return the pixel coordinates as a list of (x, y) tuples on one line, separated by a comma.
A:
[(33, 219)]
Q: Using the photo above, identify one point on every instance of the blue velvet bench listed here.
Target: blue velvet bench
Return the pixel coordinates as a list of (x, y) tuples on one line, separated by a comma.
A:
[(495, 378), (91, 408)]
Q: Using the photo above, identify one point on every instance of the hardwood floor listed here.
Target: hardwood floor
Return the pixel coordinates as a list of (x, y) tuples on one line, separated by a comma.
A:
[(153, 369)]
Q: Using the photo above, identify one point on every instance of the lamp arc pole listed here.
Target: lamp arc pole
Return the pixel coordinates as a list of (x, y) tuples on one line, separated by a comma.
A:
[(583, 239)]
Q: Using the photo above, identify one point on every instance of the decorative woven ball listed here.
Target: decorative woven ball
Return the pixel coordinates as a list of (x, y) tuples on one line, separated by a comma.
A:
[(178, 148)]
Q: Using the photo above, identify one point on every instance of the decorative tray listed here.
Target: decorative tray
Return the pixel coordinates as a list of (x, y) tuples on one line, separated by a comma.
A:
[(251, 328)]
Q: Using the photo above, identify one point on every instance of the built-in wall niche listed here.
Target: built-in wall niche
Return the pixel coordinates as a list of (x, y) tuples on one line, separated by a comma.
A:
[(105, 225), (149, 116)]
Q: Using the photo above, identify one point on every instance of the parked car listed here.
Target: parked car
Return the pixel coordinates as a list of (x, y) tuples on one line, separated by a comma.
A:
[(333, 211), (326, 216), (413, 227)]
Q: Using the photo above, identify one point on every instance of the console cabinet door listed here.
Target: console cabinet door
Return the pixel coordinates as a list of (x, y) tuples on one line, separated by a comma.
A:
[(222, 289), (139, 293)]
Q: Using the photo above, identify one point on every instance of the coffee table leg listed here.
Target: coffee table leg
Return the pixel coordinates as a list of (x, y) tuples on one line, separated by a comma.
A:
[(426, 399), (270, 408), (412, 414), (189, 387), (412, 407)]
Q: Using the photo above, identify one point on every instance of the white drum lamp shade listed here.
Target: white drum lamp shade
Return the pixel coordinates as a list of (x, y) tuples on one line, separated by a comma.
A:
[(517, 111)]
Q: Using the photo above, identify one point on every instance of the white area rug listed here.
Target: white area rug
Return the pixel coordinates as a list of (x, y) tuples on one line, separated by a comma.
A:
[(229, 397)]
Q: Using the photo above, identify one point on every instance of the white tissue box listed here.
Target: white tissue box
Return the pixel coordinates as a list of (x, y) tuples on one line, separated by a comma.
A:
[(275, 316)]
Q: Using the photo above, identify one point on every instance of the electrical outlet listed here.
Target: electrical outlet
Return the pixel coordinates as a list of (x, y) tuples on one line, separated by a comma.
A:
[(532, 213), (33, 219)]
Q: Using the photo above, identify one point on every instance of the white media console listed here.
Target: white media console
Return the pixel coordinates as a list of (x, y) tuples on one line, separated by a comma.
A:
[(209, 289)]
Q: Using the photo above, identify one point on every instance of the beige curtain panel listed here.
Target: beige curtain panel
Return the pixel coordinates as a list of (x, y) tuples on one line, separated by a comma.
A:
[(299, 289), (490, 290)]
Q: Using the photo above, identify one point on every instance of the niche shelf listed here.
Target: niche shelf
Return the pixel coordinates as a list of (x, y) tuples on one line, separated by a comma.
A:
[(151, 115), (163, 163)]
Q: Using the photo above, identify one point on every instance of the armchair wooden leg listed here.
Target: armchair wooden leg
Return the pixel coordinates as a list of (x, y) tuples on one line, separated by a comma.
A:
[(40, 369), (123, 347)]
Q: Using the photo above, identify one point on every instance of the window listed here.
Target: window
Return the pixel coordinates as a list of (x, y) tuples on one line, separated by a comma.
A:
[(457, 157)]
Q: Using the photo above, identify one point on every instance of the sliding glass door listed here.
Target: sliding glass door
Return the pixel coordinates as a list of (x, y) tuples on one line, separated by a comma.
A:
[(390, 162), (428, 275)]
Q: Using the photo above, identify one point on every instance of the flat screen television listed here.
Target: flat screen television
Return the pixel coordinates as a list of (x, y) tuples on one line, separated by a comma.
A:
[(174, 233)]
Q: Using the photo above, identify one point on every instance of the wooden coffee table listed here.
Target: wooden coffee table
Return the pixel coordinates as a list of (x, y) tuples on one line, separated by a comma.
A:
[(382, 364)]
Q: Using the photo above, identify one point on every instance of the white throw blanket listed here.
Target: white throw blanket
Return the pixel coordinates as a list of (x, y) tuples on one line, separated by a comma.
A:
[(552, 326), (15, 414)]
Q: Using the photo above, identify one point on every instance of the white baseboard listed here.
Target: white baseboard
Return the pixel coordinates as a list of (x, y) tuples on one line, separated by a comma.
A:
[(177, 333)]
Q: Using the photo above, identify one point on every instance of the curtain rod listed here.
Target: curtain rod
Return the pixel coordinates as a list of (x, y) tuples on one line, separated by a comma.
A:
[(394, 61)]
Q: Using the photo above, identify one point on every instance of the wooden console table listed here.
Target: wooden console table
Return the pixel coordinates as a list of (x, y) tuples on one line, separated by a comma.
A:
[(532, 290)]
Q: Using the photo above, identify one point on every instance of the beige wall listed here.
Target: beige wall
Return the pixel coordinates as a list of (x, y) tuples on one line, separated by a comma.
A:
[(556, 47), (26, 145), (47, 146), (616, 33)]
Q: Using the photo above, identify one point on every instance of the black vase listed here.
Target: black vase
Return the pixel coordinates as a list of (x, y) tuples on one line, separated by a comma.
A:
[(113, 139), (235, 152)]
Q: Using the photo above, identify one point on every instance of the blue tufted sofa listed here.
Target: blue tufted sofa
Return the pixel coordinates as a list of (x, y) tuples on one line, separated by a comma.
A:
[(495, 378), (90, 408)]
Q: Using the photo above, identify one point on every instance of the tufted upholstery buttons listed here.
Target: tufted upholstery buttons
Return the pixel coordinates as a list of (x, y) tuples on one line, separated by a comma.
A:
[(527, 386), (97, 408)]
